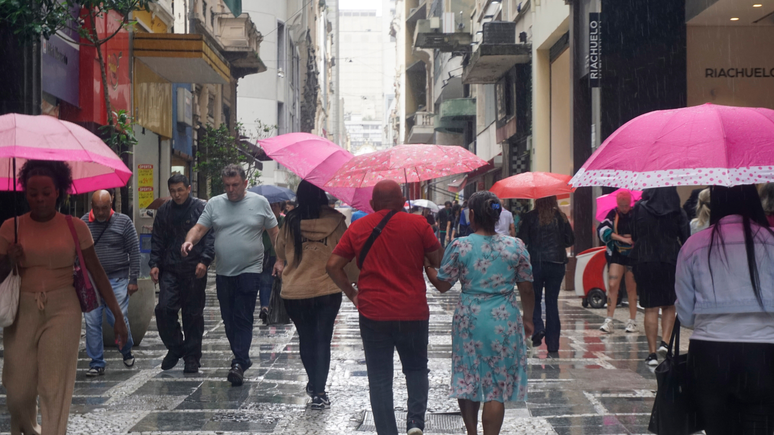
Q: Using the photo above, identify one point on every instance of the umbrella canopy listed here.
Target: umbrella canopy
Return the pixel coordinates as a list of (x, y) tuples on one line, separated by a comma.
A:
[(316, 159), (424, 203), (94, 165), (605, 203), (158, 202), (532, 185), (274, 194), (701, 145), (405, 164)]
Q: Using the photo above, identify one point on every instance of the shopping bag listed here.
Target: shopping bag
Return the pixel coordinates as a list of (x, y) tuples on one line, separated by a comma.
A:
[(277, 314), (82, 280), (9, 298), (674, 412)]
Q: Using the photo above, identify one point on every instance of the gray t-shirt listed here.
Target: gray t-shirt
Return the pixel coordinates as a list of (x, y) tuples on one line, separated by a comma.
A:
[(238, 228)]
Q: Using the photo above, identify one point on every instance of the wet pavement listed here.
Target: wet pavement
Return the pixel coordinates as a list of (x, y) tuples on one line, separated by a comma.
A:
[(597, 384)]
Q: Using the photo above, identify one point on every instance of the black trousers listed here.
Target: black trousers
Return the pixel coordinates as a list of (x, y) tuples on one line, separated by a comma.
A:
[(181, 291), (733, 385), (314, 319)]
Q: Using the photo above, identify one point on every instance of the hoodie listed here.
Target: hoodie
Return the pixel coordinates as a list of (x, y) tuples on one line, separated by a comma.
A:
[(308, 279), (659, 226)]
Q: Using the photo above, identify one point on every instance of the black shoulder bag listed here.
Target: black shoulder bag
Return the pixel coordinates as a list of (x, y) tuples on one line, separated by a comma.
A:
[(372, 238), (674, 411)]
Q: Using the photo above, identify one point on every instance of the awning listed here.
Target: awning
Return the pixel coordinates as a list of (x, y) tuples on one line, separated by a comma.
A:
[(458, 184), (235, 6), (181, 58)]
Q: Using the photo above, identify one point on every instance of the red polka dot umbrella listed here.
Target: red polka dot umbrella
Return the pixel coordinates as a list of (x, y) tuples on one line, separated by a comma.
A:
[(701, 145)]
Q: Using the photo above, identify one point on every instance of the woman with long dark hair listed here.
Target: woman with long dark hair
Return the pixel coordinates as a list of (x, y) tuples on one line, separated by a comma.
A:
[(547, 233), (725, 292), (659, 228), (489, 355), (310, 233), (41, 346)]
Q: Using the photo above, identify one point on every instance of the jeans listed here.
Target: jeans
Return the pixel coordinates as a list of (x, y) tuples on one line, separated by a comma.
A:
[(549, 276), (94, 343), (380, 339), (442, 238), (314, 319), (237, 296), (181, 291), (267, 281), (732, 384)]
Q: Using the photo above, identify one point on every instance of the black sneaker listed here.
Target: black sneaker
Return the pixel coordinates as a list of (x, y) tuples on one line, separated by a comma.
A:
[(95, 371), (652, 360), (170, 361), (129, 360), (236, 375), (264, 316), (537, 339), (324, 399), (191, 366), (309, 391), (663, 349), (318, 403)]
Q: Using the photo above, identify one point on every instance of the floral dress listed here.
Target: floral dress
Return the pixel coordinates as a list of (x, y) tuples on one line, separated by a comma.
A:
[(489, 355)]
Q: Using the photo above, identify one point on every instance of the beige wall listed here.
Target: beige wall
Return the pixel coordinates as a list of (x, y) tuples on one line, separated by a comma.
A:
[(561, 131), (731, 47)]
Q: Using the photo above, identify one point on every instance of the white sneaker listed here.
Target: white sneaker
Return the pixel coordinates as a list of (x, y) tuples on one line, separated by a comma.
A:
[(607, 326), (631, 326)]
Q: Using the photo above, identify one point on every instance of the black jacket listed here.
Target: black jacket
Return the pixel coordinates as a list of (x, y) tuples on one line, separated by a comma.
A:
[(546, 243), (659, 230), (169, 235)]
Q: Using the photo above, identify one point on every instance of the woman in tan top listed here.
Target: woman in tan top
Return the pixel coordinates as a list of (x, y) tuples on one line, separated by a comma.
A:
[(312, 299), (41, 347)]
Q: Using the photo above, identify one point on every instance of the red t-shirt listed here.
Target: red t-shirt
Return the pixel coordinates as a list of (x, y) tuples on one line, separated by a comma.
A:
[(391, 284)]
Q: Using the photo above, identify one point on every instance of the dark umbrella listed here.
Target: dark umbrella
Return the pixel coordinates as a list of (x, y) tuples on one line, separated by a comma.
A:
[(274, 194), (158, 202)]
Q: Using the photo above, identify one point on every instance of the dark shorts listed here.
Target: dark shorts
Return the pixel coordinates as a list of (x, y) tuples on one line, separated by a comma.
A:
[(617, 258), (655, 284)]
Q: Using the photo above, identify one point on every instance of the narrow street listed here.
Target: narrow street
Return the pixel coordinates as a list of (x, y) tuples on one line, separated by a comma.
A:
[(598, 385)]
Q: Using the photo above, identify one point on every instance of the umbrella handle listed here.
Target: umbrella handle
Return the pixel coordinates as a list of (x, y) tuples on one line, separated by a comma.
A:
[(15, 206), (405, 176)]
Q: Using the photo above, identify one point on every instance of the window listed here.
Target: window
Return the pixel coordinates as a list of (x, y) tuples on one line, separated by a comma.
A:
[(281, 118), (204, 11), (281, 47)]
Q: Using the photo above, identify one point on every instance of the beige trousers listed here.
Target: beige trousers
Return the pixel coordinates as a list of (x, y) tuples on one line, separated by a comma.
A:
[(41, 357)]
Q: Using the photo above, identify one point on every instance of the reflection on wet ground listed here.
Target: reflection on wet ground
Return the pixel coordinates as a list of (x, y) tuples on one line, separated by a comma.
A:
[(595, 384)]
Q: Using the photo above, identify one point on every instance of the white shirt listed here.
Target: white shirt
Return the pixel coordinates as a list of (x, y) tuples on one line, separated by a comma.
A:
[(504, 224)]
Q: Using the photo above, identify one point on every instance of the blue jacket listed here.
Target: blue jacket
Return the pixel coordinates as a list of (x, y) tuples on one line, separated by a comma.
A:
[(727, 289)]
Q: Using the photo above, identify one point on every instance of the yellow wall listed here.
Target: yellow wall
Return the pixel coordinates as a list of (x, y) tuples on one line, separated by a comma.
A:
[(155, 24), (561, 126), (152, 100)]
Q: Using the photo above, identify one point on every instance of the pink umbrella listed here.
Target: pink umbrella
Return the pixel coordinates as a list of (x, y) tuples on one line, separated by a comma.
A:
[(316, 159), (532, 185), (406, 164), (23, 137), (701, 145), (605, 203)]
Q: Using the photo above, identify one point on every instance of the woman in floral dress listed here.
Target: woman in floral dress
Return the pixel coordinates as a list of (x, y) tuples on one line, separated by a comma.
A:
[(489, 355)]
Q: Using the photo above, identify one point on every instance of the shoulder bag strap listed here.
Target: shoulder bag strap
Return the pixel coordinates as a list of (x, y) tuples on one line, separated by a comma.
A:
[(100, 234), (87, 282), (372, 238)]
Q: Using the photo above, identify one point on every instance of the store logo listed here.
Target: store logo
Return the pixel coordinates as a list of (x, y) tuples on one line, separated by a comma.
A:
[(733, 73)]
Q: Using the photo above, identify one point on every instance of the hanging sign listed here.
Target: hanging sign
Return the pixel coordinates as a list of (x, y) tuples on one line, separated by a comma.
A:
[(595, 50), (145, 185)]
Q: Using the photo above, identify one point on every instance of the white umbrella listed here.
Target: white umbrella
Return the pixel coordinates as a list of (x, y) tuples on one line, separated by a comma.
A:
[(424, 203)]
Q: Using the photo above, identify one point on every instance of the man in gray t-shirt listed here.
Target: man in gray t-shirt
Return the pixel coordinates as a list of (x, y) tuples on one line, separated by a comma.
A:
[(238, 219)]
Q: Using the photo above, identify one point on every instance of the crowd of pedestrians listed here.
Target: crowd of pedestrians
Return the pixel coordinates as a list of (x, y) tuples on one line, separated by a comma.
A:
[(718, 281)]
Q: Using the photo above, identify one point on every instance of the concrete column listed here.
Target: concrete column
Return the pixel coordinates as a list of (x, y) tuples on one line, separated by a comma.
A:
[(204, 98), (217, 112), (541, 114)]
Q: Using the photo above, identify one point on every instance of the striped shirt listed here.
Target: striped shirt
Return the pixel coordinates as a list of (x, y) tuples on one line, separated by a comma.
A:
[(118, 249)]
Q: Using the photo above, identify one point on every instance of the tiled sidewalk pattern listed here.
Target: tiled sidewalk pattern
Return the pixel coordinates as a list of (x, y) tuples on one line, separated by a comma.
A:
[(597, 384)]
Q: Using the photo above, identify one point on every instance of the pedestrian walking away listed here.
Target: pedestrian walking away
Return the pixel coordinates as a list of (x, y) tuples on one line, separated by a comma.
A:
[(40, 349), (489, 354), (312, 299), (391, 248), (267, 274), (725, 292), (182, 280), (239, 218), (702, 219), (118, 250), (547, 233), (504, 225), (659, 229), (445, 219), (616, 233)]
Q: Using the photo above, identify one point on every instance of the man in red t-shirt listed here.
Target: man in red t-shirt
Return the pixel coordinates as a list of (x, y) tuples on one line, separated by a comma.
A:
[(391, 298)]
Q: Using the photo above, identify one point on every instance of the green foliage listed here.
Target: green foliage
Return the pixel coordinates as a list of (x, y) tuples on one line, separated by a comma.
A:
[(30, 20), (120, 136), (218, 148)]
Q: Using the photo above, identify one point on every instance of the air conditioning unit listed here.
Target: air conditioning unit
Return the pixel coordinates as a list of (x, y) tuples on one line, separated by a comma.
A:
[(499, 32), (435, 23)]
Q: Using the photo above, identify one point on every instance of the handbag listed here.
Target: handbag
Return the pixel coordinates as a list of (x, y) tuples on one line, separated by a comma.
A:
[(9, 297), (674, 412), (277, 313), (82, 281)]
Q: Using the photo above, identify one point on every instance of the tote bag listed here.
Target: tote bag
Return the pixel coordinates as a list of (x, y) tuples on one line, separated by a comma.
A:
[(9, 298)]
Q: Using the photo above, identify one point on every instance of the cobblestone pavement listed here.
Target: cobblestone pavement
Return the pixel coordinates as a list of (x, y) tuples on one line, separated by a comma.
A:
[(598, 384)]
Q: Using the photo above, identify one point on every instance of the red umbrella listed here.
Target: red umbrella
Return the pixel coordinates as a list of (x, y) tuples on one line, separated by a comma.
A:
[(405, 164), (532, 185)]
